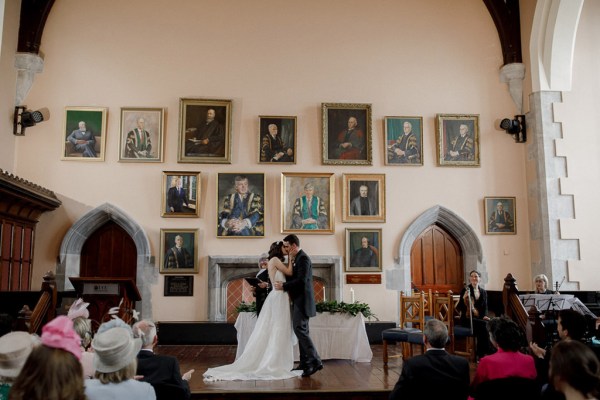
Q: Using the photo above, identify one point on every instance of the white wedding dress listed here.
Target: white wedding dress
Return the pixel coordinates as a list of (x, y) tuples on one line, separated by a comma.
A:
[(269, 353)]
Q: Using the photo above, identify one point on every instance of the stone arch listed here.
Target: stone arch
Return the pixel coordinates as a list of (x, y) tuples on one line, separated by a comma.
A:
[(70, 250), (399, 277)]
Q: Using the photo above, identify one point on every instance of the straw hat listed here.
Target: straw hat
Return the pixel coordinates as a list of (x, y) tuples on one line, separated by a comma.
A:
[(115, 349), (14, 350)]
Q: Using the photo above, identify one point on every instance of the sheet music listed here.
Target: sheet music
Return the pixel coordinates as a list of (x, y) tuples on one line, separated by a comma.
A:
[(547, 301)]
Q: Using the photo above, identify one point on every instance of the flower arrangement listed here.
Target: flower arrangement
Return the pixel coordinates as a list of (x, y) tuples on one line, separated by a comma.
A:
[(324, 306)]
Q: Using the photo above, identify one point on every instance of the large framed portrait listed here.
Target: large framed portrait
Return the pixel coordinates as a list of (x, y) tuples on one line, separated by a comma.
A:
[(458, 140), (240, 204), (277, 139), (403, 140), (363, 198), (178, 251), (180, 194), (204, 131), (363, 250), (141, 136), (347, 134), (307, 203), (500, 215), (84, 133)]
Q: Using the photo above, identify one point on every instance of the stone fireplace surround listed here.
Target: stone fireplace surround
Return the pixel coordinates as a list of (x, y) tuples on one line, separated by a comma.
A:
[(224, 269)]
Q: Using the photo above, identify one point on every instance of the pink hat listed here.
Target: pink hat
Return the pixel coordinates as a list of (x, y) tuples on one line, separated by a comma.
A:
[(78, 309), (59, 334)]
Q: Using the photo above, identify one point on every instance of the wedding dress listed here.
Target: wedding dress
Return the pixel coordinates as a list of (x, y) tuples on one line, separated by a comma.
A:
[(268, 355)]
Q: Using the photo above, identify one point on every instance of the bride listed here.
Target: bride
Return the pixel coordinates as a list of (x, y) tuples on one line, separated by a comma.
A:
[(269, 352)]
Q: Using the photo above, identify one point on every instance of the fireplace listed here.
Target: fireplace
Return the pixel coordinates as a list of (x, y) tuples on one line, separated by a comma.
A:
[(224, 269)]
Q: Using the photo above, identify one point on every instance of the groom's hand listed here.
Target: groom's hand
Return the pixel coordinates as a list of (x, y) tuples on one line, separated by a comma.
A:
[(278, 285)]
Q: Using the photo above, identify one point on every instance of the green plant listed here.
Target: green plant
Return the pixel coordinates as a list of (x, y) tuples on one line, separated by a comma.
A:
[(246, 307), (350, 308)]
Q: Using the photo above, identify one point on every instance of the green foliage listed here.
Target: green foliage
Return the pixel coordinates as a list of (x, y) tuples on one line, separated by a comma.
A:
[(246, 307), (324, 306)]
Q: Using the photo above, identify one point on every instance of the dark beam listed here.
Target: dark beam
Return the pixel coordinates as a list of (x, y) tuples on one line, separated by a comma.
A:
[(34, 14), (507, 19)]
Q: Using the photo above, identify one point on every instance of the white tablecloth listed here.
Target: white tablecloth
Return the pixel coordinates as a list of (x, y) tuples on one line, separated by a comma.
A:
[(336, 336)]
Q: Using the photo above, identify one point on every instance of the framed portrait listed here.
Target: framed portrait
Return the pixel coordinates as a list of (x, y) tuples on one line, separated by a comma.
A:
[(307, 203), (141, 136), (84, 133), (180, 194), (178, 251), (179, 285), (363, 250), (240, 205), (403, 140), (500, 215), (458, 140), (347, 134), (277, 140), (204, 131), (363, 198)]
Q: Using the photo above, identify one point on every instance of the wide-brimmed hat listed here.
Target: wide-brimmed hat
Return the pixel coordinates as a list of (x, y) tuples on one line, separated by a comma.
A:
[(114, 349), (15, 347)]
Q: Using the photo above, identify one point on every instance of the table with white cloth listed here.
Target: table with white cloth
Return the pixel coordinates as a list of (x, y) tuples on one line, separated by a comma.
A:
[(335, 336)]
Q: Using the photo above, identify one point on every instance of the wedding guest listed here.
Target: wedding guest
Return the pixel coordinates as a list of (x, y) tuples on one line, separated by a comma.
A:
[(575, 370), (53, 370), (15, 347), (79, 314)]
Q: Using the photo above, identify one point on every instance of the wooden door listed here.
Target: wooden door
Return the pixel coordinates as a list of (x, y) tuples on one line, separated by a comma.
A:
[(436, 261), (109, 252)]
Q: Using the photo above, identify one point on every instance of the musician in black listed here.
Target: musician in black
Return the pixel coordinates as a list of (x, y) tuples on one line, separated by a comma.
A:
[(541, 285), (473, 307)]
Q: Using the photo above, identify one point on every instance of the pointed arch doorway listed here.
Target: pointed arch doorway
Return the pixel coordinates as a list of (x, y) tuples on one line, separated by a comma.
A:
[(436, 261)]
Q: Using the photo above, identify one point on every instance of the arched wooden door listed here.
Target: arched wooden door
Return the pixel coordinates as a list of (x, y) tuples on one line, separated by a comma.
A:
[(109, 252), (436, 261)]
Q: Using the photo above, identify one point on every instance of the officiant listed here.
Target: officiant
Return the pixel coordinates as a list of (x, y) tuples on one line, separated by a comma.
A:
[(264, 287)]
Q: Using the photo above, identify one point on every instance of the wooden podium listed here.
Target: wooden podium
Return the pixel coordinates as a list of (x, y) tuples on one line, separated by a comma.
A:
[(106, 293)]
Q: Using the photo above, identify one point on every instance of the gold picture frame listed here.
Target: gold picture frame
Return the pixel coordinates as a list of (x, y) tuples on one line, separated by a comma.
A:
[(178, 261), (181, 192), (403, 141), (363, 250), (241, 205), (277, 139), (500, 215), (84, 134), (204, 131), (141, 134), (307, 203), (458, 140), (347, 137), (363, 198)]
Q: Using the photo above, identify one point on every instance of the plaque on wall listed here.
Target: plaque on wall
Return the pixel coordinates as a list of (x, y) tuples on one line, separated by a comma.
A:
[(179, 285), (363, 278)]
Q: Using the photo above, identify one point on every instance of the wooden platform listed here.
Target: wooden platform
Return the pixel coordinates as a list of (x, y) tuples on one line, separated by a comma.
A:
[(338, 379)]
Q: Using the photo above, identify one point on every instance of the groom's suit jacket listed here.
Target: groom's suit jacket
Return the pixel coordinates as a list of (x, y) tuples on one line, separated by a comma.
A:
[(161, 369), (300, 285)]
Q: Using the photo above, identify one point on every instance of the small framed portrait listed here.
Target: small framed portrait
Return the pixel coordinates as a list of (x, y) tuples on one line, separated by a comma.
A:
[(141, 136), (178, 251), (85, 133), (363, 198), (403, 140), (307, 203), (240, 205), (363, 250), (180, 194), (347, 134), (500, 215), (458, 140), (277, 142), (204, 131)]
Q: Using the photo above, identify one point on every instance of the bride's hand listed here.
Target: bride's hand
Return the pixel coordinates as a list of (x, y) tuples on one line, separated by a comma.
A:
[(278, 285)]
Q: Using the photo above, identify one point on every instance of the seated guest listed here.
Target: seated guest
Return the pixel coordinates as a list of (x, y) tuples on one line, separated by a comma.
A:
[(15, 347), (115, 363), (53, 369), (574, 370), (79, 314), (435, 374), (158, 369), (541, 285), (114, 323), (6, 323), (507, 362), (473, 307)]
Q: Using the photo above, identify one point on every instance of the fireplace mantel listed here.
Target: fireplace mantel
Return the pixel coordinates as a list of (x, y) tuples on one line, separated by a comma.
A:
[(223, 269)]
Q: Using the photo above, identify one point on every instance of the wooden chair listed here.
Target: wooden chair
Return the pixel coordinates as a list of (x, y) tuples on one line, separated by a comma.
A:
[(463, 334), (443, 310), (412, 321)]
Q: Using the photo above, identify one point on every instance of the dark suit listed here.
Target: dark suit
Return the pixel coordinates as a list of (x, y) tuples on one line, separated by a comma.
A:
[(176, 198), (433, 375), (160, 369), (300, 289), (260, 293)]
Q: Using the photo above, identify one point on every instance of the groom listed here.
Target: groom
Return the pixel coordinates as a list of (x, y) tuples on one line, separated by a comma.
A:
[(300, 289)]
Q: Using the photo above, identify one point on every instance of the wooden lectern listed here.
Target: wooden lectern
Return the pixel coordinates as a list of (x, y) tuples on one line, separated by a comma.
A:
[(106, 293)]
